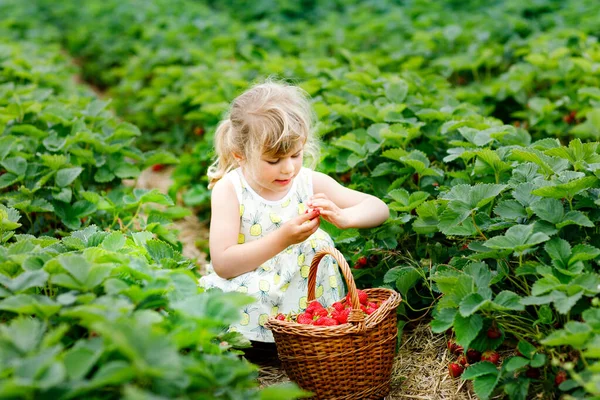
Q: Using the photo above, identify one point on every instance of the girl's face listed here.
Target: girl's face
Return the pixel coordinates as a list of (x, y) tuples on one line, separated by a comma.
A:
[(274, 174)]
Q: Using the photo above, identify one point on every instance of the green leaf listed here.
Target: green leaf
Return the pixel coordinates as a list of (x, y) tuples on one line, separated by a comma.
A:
[(566, 190), (507, 300), (114, 241), (221, 308), (479, 369), (575, 218), (30, 304), (283, 390), (517, 238), (574, 334), (159, 250), (443, 319), (470, 304), (396, 91), (551, 210), (25, 280), (15, 165), (467, 328), (538, 360), (80, 359), (66, 176), (514, 363), (510, 210), (485, 385), (526, 349), (24, 332)]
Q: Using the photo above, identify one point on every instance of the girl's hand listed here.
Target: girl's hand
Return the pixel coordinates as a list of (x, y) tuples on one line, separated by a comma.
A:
[(329, 210), (300, 228)]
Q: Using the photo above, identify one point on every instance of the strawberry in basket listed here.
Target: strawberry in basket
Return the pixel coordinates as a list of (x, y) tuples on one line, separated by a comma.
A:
[(336, 314)]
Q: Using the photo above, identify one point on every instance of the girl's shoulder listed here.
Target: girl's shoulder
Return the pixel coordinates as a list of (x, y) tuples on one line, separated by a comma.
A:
[(228, 185)]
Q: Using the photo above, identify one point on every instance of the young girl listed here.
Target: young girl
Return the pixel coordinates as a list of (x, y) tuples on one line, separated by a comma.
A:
[(266, 207)]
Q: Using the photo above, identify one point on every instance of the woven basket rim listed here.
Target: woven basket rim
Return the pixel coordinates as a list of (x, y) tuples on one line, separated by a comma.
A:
[(394, 300)]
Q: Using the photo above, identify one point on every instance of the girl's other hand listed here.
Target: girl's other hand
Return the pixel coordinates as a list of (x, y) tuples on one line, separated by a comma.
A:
[(298, 229), (328, 210)]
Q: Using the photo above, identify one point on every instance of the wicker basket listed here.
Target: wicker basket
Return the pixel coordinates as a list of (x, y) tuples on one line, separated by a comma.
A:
[(349, 361)]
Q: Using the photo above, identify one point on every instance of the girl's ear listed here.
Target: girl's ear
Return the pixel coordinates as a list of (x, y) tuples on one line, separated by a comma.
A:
[(238, 158)]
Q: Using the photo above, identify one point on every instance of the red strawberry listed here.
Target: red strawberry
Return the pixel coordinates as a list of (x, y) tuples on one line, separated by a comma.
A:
[(326, 321), (158, 167), (462, 360), (199, 131), (455, 370), (561, 376), (320, 312), (313, 306), (452, 345), (370, 310), (342, 316), (372, 305), (361, 262), (473, 356), (363, 297), (458, 350), (491, 356), (337, 306), (304, 318), (280, 317), (494, 333)]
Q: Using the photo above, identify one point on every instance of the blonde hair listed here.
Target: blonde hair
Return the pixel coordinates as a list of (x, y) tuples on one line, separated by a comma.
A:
[(270, 118)]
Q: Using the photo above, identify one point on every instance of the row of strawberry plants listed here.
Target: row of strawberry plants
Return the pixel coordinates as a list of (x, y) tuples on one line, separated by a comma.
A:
[(95, 299)]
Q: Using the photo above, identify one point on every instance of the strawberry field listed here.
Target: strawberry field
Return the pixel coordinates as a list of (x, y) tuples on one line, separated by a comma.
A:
[(477, 122)]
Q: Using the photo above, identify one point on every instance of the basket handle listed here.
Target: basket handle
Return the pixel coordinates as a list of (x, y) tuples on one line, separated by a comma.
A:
[(356, 315)]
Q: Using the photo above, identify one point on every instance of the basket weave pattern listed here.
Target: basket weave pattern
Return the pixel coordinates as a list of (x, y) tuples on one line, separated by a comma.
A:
[(342, 362)]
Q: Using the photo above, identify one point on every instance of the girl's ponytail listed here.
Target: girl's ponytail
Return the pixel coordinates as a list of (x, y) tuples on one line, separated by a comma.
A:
[(223, 146)]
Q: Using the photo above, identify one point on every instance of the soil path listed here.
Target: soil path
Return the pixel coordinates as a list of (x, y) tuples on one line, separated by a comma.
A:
[(191, 230)]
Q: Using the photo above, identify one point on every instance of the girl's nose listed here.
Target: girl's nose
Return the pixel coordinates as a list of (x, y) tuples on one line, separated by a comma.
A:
[(287, 166)]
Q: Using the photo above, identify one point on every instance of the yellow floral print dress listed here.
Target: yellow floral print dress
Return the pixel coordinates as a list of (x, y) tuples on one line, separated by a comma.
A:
[(281, 283)]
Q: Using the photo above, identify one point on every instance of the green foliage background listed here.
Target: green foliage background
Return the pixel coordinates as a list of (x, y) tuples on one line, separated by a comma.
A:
[(476, 121)]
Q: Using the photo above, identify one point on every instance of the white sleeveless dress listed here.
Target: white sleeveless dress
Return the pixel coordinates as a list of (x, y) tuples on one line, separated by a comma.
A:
[(280, 284)]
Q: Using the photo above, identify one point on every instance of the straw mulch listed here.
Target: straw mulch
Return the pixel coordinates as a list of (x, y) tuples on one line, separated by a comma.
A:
[(420, 369)]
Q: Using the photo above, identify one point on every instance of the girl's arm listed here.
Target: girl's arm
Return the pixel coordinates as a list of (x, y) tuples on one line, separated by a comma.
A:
[(344, 207), (230, 259)]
